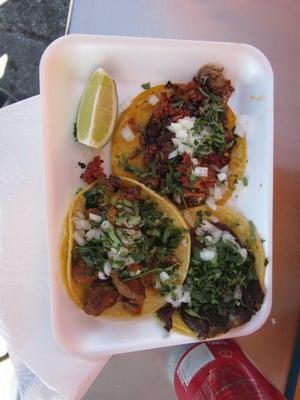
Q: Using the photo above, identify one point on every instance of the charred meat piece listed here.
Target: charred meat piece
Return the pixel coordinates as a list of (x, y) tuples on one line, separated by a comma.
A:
[(83, 274), (133, 289), (197, 325), (115, 182), (240, 316), (101, 296), (214, 79), (165, 314), (93, 171), (131, 193), (253, 296), (112, 213), (152, 131), (214, 318)]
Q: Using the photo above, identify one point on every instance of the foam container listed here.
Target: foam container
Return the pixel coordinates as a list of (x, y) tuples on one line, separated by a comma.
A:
[(65, 68)]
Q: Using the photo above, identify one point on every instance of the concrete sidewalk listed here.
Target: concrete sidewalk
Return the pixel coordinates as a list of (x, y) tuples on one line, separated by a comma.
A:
[(26, 29)]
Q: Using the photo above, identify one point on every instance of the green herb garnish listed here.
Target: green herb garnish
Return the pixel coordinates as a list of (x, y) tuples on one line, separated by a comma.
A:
[(245, 181), (146, 85)]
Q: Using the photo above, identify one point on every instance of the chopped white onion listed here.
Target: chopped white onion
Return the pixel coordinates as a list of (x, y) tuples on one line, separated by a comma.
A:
[(227, 236), (244, 253), (135, 273), (78, 238), (164, 276), (105, 225), (81, 223), (225, 169), (222, 176), (215, 232), (95, 217), (107, 268), (210, 201), (157, 284), (180, 297), (173, 154), (102, 276), (93, 234), (181, 134), (177, 198), (127, 134), (200, 171), (199, 231), (153, 100), (195, 161), (218, 192), (187, 122), (129, 260), (207, 254)]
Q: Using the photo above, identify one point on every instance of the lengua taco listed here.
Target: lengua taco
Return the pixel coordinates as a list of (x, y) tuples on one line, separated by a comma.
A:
[(179, 139), (121, 242), (224, 284)]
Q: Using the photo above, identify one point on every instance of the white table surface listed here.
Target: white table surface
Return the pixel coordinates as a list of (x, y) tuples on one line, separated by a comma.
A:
[(273, 27)]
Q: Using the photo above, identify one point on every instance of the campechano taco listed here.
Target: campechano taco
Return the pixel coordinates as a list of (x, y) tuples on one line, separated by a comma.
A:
[(120, 240), (224, 286), (179, 139)]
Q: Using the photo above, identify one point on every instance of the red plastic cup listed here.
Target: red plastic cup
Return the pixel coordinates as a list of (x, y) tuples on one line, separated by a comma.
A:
[(220, 370)]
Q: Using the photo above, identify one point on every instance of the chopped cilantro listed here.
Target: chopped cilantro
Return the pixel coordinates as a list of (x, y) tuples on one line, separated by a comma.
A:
[(146, 85), (245, 181), (93, 195), (252, 230), (178, 104), (266, 261), (75, 132), (213, 284)]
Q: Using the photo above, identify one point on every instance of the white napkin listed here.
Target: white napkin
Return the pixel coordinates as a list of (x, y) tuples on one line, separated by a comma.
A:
[(24, 287)]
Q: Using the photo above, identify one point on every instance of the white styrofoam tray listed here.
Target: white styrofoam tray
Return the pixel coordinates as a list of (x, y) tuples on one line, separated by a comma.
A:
[(65, 67)]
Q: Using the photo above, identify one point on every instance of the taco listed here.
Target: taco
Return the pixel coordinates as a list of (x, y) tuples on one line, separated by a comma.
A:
[(179, 139), (224, 286), (120, 239)]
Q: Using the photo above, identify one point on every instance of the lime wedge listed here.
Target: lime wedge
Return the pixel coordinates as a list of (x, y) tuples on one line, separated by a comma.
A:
[(97, 112)]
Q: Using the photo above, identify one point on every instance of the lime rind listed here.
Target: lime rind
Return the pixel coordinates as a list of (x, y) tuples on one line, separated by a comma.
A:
[(97, 112)]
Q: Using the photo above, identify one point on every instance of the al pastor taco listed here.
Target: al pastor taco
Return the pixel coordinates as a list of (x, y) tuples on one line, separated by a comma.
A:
[(224, 286), (179, 140), (120, 240)]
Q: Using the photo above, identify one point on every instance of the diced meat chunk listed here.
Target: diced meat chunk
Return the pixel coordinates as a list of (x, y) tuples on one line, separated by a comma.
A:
[(253, 296), (165, 314), (240, 316), (101, 296), (215, 80), (133, 289), (83, 274), (197, 325), (93, 171), (152, 130)]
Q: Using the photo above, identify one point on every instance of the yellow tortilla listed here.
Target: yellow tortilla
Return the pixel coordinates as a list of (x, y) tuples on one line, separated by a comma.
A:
[(141, 111), (248, 237), (153, 300)]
